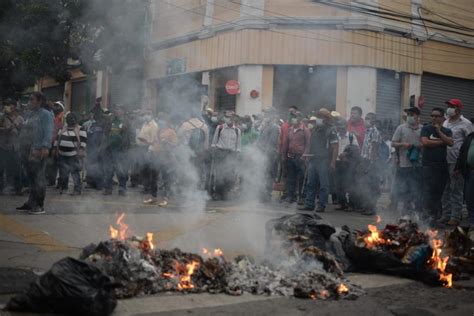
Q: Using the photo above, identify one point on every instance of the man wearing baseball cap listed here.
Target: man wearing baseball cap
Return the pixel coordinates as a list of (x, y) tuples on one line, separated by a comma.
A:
[(453, 193)]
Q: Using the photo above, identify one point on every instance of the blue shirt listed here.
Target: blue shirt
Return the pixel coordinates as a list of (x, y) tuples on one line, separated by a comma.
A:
[(40, 122)]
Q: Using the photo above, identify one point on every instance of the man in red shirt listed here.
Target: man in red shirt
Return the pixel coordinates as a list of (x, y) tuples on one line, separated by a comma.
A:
[(356, 125), (283, 138), (294, 147)]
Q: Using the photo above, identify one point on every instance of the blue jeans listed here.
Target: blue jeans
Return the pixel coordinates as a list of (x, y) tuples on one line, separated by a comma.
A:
[(295, 177), (116, 164), (452, 196), (469, 194), (318, 169), (70, 165)]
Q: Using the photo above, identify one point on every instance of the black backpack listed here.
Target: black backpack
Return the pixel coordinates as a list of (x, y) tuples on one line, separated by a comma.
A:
[(197, 138)]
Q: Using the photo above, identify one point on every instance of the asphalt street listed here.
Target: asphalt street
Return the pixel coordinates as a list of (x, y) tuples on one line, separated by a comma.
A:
[(29, 244)]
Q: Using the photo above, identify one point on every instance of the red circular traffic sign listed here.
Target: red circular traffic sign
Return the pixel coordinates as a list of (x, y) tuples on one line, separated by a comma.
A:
[(232, 87)]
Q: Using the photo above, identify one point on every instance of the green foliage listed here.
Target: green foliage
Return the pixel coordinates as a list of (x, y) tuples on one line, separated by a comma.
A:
[(37, 37)]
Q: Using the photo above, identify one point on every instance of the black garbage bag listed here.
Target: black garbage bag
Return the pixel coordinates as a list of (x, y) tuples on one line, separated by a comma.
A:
[(385, 262), (71, 286)]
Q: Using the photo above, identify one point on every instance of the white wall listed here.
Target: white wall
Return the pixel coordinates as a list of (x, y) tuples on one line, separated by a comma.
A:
[(414, 86), (361, 89), (250, 78)]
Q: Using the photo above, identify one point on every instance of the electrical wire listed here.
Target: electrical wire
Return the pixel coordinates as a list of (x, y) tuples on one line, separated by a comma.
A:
[(326, 40), (392, 17), (320, 39), (355, 43), (290, 18)]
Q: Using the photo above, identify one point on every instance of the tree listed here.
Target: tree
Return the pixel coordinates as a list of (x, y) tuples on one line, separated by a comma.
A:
[(38, 37)]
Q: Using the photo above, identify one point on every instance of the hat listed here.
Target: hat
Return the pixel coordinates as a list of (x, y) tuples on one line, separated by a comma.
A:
[(413, 110), (455, 102), (324, 113), (313, 118), (335, 114)]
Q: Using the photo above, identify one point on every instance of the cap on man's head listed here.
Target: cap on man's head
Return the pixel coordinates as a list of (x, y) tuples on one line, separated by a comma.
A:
[(455, 102), (413, 110), (324, 113), (313, 118)]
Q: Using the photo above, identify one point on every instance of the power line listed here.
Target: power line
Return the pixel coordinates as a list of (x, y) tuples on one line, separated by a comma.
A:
[(392, 17), (290, 18), (326, 40)]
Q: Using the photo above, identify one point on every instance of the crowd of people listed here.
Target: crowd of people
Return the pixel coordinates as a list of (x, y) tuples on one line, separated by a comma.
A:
[(307, 157)]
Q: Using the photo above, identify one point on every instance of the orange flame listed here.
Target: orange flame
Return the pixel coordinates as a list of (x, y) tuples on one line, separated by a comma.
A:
[(324, 294), (438, 263), (185, 280), (149, 238), (312, 296), (113, 232), (167, 275), (342, 289), (120, 233), (373, 239), (217, 252)]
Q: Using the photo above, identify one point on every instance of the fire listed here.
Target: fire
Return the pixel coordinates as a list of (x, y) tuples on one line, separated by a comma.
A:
[(217, 252), (149, 238), (342, 289), (439, 263), (120, 233), (312, 296), (185, 280), (113, 232), (324, 294), (373, 239), (167, 275)]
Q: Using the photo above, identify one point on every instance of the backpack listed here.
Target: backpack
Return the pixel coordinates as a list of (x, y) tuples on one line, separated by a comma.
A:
[(197, 138)]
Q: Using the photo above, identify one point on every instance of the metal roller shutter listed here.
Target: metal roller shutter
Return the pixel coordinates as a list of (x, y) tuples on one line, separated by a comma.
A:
[(388, 107), (437, 89)]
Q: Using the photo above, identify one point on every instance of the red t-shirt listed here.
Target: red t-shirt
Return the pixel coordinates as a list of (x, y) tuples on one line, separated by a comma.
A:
[(358, 128)]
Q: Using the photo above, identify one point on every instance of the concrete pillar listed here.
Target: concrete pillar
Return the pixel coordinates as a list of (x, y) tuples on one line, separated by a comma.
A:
[(99, 83), (341, 91), (361, 89), (209, 13), (411, 86), (258, 78)]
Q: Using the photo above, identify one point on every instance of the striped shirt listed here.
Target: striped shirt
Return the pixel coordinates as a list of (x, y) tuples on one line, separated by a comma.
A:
[(68, 143)]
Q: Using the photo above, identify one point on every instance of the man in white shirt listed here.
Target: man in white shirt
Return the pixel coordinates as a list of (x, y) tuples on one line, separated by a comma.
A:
[(453, 193)]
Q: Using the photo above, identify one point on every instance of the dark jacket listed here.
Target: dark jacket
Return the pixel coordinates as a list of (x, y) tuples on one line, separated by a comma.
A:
[(461, 164)]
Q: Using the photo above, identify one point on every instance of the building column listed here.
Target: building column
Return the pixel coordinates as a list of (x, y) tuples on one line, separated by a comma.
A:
[(341, 91), (361, 89), (260, 79)]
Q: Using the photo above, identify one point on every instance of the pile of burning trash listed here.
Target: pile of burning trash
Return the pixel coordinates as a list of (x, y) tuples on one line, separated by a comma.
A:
[(403, 249), (137, 267)]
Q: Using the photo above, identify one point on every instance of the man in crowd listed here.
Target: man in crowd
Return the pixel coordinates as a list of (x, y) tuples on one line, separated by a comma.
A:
[(283, 139), (39, 130), (369, 182), (57, 108), (356, 124), (453, 193), (118, 140), (348, 159), (10, 124), (194, 133), (321, 155), (294, 146), (70, 146), (465, 167), (409, 176), (147, 147), (163, 160), (226, 143), (94, 161), (435, 139), (268, 144)]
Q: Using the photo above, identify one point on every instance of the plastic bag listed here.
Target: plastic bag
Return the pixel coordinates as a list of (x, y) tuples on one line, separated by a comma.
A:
[(72, 287)]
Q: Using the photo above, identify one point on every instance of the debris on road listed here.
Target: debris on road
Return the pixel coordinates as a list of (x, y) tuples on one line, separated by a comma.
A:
[(71, 287)]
